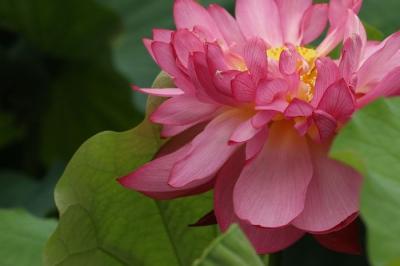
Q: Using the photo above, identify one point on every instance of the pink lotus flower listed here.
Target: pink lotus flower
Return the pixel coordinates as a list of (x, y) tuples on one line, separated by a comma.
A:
[(254, 113)]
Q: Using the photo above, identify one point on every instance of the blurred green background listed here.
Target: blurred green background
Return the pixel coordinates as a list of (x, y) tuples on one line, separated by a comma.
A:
[(65, 71)]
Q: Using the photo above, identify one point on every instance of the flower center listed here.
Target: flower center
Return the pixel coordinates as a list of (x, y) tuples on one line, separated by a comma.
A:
[(308, 54), (275, 53), (307, 84), (306, 68)]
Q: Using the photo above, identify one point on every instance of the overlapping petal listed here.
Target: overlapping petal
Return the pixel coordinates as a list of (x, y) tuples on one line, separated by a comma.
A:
[(182, 111), (268, 193), (333, 193), (314, 22), (265, 240), (152, 178), (197, 164)]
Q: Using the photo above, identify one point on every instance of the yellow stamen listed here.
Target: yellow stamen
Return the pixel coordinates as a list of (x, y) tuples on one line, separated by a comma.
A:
[(275, 53), (306, 68), (308, 54), (308, 83)]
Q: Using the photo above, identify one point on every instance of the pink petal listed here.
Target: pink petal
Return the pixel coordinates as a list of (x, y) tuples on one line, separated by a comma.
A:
[(167, 92), (159, 35), (181, 111), (355, 42), (288, 61), (354, 26), (333, 193), (244, 132), (148, 43), (243, 88), (166, 58), (185, 43), (293, 82), (326, 125), (278, 105), (260, 18), (314, 22), (370, 48), (328, 73), (262, 118), (206, 35), (380, 63), (271, 189), (204, 80), (216, 58), (338, 10), (227, 25), (298, 108), (199, 163), (268, 90), (223, 81), (152, 178), (346, 240), (162, 35), (256, 144), (264, 240), (338, 101), (223, 75), (254, 54), (199, 90), (302, 126), (189, 14), (351, 57), (389, 86), (291, 13)]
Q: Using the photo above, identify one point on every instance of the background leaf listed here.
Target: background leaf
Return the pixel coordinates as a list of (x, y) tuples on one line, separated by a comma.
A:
[(74, 113), (103, 223), (61, 87), (373, 33), (381, 14), (74, 29), (373, 136), (20, 191), (22, 238), (232, 248), (8, 131)]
